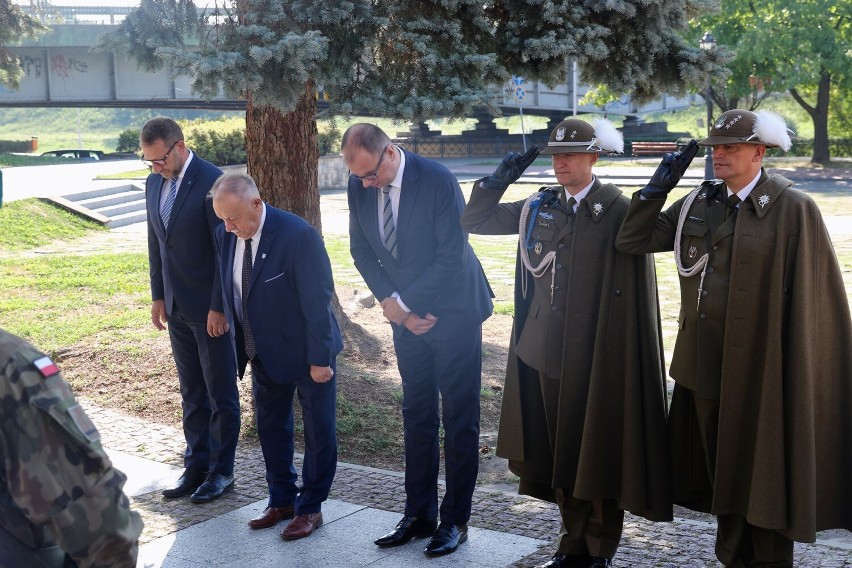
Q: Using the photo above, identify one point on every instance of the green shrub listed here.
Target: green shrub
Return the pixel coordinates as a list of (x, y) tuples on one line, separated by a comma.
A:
[(128, 141), (328, 142)]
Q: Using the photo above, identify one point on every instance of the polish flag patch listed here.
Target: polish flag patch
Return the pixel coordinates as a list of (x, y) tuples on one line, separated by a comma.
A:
[(46, 366)]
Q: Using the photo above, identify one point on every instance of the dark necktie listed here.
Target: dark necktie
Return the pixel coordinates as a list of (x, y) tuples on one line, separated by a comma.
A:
[(251, 350), (570, 205), (732, 203), (388, 225)]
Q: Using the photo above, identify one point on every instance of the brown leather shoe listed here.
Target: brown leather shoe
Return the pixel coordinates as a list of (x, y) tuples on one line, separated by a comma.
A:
[(302, 526), (271, 516)]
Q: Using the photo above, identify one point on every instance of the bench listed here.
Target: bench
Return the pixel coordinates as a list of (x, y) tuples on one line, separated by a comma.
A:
[(653, 148)]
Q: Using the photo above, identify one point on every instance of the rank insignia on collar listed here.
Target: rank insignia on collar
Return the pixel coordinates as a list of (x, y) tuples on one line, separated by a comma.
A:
[(597, 208), (763, 200), (693, 250), (538, 247), (701, 196)]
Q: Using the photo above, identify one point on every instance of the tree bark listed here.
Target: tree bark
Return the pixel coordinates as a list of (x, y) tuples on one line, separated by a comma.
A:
[(283, 156), (819, 116)]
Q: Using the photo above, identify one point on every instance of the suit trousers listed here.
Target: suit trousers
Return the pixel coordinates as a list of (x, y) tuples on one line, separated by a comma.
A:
[(275, 427), (445, 362), (588, 527), (207, 373), (738, 544)]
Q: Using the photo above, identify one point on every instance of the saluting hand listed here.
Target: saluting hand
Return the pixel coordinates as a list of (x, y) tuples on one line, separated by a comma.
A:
[(668, 174), (509, 170)]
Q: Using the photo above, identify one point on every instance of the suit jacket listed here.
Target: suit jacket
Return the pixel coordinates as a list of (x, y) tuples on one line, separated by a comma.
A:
[(182, 258), (289, 297), (436, 270)]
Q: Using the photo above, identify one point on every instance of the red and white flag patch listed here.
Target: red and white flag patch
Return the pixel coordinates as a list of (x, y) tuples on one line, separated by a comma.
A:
[(46, 367)]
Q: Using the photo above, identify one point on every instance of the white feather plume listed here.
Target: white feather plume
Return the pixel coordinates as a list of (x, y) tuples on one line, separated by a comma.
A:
[(609, 138), (770, 127)]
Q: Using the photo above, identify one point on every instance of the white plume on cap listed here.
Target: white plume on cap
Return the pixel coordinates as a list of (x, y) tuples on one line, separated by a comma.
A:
[(608, 137), (770, 127)]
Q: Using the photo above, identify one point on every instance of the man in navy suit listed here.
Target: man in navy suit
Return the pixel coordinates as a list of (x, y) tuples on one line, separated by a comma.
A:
[(277, 288), (187, 295), (408, 245)]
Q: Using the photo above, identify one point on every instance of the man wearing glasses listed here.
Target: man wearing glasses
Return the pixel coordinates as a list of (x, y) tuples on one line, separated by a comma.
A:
[(187, 295), (408, 245)]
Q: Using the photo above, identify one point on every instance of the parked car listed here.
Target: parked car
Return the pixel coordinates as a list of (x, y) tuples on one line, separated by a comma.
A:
[(82, 155)]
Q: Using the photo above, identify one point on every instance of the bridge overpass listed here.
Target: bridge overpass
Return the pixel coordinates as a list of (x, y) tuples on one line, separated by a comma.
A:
[(60, 70)]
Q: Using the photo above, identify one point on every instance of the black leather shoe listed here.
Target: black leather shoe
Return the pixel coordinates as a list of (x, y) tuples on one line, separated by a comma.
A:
[(599, 562), (560, 560), (447, 539), (186, 484), (214, 487), (406, 529)]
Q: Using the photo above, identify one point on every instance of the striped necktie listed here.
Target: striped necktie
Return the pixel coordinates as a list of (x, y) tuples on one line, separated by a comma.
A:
[(388, 225), (169, 203)]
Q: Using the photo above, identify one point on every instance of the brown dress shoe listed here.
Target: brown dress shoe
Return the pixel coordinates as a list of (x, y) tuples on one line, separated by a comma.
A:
[(271, 516), (302, 526)]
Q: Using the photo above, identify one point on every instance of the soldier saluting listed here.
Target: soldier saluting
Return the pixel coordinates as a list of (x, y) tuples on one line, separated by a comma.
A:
[(584, 405), (760, 421)]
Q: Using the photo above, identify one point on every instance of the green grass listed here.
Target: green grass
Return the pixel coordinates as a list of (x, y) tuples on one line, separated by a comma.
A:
[(30, 223), (56, 301), (141, 173)]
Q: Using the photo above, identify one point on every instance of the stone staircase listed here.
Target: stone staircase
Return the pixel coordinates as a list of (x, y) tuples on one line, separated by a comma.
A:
[(115, 206)]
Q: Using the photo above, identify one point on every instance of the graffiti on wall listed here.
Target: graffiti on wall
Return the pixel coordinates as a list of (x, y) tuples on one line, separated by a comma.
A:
[(66, 68), (32, 66)]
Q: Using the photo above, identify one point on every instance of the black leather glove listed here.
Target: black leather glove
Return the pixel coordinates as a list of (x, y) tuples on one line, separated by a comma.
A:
[(669, 172), (509, 170)]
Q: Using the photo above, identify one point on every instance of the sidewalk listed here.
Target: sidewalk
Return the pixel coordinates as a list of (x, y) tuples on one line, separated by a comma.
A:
[(505, 529)]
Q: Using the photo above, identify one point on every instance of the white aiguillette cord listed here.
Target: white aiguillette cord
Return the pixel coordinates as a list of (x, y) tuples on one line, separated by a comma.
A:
[(701, 264), (549, 259)]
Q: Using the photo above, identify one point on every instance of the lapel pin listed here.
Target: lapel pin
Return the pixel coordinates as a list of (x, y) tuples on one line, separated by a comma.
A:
[(598, 208), (263, 255), (763, 200)]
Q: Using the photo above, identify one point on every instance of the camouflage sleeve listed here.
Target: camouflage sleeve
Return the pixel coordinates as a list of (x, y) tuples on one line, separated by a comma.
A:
[(59, 475)]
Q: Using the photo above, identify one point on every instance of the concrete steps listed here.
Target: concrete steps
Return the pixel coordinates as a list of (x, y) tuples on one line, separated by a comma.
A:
[(115, 206)]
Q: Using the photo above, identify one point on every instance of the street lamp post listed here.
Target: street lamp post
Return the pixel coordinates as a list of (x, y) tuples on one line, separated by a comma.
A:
[(708, 43)]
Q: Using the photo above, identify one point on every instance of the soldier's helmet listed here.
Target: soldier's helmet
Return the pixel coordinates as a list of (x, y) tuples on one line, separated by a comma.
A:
[(578, 136), (740, 126)]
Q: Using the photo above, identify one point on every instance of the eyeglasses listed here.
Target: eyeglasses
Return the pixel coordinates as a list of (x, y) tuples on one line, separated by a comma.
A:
[(161, 161), (370, 176)]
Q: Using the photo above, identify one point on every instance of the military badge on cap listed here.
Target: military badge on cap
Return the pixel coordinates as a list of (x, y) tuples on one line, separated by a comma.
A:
[(578, 136), (560, 134), (740, 126)]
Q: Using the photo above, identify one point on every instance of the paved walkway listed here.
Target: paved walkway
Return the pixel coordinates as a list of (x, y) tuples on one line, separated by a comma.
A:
[(506, 529)]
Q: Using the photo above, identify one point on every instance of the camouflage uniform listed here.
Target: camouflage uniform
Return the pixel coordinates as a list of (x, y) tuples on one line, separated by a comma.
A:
[(58, 489)]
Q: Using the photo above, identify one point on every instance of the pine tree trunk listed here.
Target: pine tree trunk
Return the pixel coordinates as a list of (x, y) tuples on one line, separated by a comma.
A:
[(283, 156)]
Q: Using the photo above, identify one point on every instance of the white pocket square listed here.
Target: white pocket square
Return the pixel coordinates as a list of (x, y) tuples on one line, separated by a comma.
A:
[(274, 277)]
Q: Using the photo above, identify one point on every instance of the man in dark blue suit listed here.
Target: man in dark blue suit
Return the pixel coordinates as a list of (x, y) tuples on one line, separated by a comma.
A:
[(408, 245), (187, 295), (277, 288)]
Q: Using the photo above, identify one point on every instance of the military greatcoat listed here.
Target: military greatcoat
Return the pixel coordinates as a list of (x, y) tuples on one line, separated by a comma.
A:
[(600, 334), (57, 485), (771, 339)]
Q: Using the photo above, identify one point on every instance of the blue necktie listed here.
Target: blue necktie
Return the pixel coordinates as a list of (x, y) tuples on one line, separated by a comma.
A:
[(251, 349), (170, 202)]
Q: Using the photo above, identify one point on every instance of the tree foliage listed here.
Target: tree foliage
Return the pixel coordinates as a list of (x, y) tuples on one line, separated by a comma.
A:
[(404, 60), (14, 27), (798, 46)]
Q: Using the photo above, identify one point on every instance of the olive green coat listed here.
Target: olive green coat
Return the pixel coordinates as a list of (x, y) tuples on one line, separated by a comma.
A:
[(610, 437), (784, 453)]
